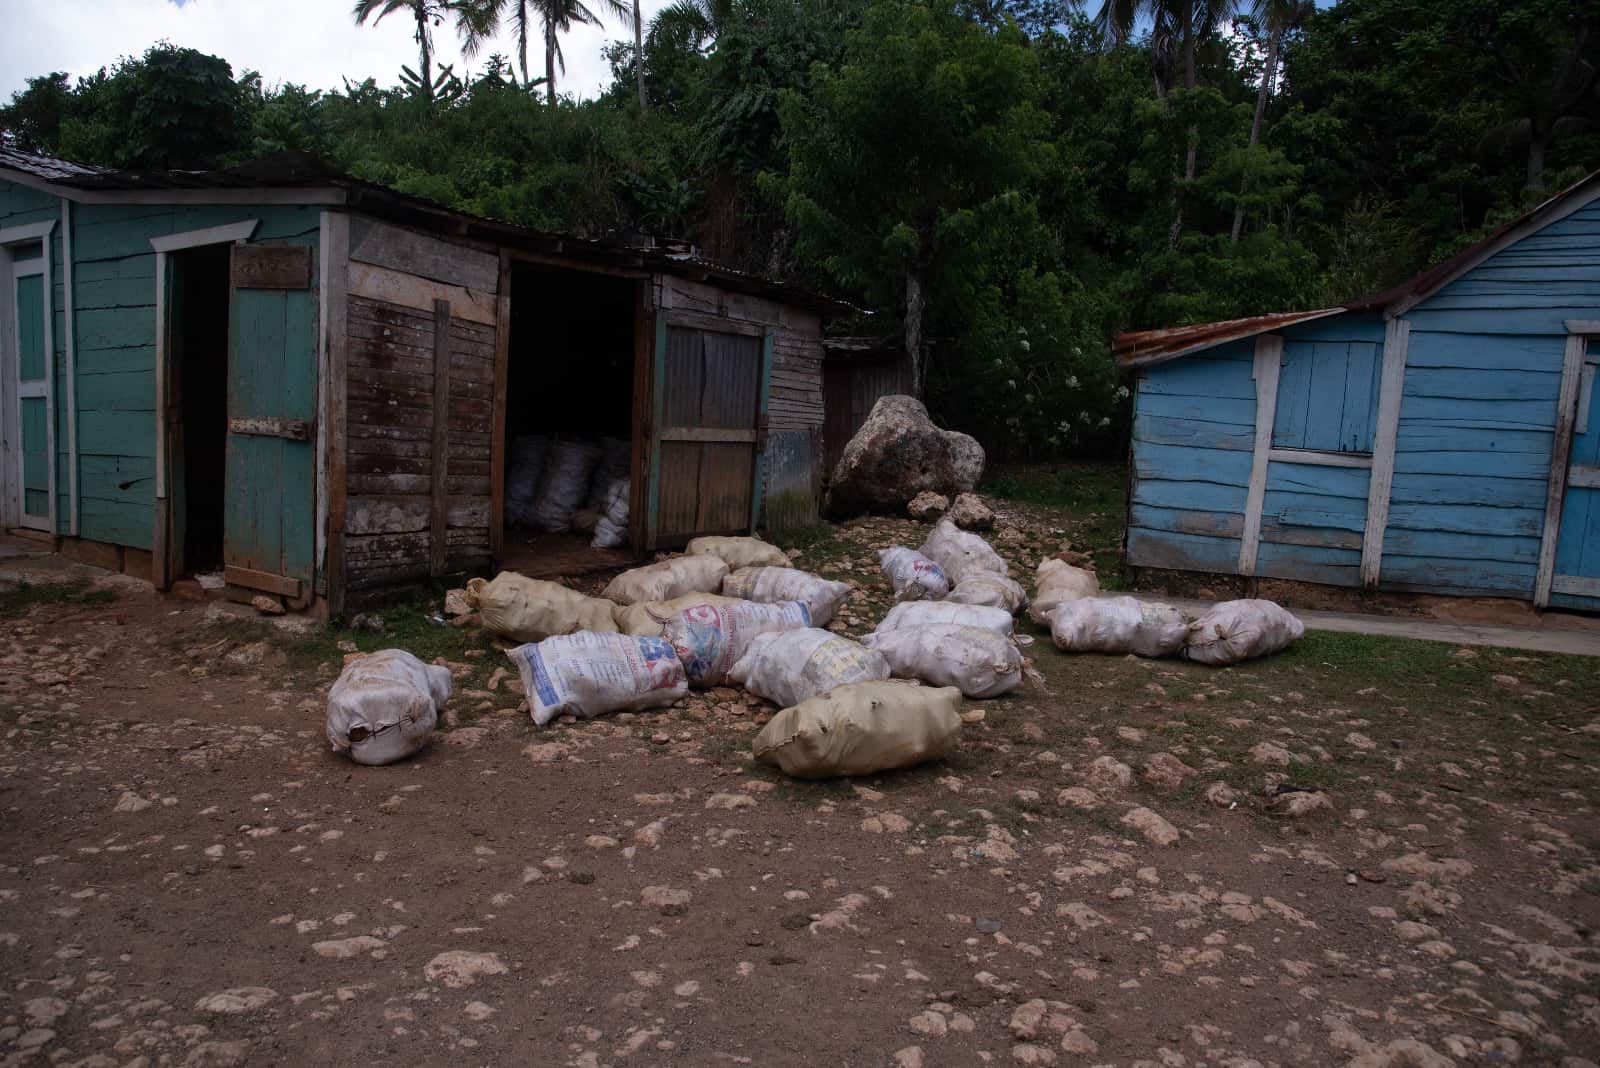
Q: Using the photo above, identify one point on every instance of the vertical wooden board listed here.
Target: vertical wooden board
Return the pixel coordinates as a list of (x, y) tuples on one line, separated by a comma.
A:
[(1357, 429), (1324, 412), (683, 390), (35, 458), (727, 475), (1561, 451), (497, 430), (29, 307), (1293, 397), (730, 392), (439, 454), (678, 508), (254, 487), (1267, 364)]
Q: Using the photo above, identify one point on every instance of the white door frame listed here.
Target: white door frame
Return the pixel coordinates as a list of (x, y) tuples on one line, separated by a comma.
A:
[(236, 233), (12, 392)]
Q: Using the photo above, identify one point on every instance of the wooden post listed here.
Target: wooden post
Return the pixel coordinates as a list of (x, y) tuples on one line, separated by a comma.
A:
[(497, 433), (1396, 340), (1555, 495), (1269, 355), (441, 437), (334, 388)]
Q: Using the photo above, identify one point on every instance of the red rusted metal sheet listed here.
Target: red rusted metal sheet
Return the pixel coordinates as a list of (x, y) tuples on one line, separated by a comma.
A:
[(1146, 347)]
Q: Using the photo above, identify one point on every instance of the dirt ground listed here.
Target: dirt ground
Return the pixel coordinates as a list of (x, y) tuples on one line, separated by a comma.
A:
[(1399, 866)]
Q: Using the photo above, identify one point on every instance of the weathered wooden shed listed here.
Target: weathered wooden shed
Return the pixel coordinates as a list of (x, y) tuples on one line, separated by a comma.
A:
[(307, 381), (1440, 437), (856, 372)]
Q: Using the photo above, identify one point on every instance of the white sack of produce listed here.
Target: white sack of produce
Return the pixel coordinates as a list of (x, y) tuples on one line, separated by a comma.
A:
[(926, 613), (1118, 625), (650, 618), (529, 610), (789, 666), (588, 674), (710, 639), (611, 529), (978, 662), (861, 729), (986, 587), (914, 576), (524, 471), (667, 579), (384, 706), (616, 462), (769, 585), (567, 471), (738, 552), (960, 553), (1240, 630), (1058, 582)]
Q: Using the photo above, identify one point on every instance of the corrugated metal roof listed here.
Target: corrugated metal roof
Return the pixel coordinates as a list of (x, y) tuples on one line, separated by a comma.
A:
[(298, 170), (1146, 347)]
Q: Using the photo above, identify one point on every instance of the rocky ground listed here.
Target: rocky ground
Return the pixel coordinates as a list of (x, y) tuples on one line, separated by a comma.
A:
[(1363, 852)]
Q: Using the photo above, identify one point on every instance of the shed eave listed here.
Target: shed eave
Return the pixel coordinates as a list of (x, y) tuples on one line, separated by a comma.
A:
[(1147, 348), (323, 195)]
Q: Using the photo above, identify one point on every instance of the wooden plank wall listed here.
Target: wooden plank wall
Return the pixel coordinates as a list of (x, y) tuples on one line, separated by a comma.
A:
[(412, 295), (1472, 456), (114, 313), (794, 408), (851, 388)]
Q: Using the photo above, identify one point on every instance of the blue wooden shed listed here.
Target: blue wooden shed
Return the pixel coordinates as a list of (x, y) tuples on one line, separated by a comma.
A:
[(304, 383), (1440, 437)]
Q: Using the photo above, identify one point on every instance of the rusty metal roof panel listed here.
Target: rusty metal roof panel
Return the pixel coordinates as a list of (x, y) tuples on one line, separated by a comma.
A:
[(1146, 347)]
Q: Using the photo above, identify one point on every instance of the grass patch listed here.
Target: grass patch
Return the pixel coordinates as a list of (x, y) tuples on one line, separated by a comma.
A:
[(1089, 499), (17, 599)]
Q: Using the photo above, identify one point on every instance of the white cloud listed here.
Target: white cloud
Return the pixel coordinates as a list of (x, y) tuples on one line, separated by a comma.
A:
[(314, 42)]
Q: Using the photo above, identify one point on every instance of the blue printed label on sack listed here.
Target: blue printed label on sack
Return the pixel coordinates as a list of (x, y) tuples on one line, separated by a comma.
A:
[(543, 687)]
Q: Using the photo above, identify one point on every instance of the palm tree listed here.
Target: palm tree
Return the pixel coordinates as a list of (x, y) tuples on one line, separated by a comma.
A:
[(1280, 18), (475, 21), (1177, 27), (558, 17), (638, 55)]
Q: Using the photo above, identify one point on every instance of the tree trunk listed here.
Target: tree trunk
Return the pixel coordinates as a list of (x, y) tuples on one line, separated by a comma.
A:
[(522, 44), (638, 55), (1538, 141), (427, 55), (1269, 75), (1193, 138), (550, 63), (913, 328)]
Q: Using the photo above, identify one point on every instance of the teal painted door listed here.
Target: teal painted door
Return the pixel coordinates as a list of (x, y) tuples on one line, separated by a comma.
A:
[(33, 402), (1577, 570), (268, 519)]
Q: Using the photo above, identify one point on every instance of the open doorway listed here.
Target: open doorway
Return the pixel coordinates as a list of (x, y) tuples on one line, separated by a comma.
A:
[(198, 407), (569, 420)]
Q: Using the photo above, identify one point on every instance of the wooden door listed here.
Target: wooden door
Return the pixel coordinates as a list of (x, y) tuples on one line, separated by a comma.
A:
[(1577, 563), (708, 433), (33, 420), (268, 522)]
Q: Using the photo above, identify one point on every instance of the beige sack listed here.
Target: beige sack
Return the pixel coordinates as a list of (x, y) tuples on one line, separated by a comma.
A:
[(988, 588), (1057, 583), (960, 553), (650, 617), (738, 552), (976, 661), (787, 667), (530, 610), (770, 585), (861, 729), (667, 579)]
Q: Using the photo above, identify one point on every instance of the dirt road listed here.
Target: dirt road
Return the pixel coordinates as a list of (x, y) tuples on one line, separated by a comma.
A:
[(189, 877)]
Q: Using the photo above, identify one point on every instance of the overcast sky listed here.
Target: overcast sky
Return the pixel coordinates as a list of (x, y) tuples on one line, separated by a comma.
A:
[(313, 42)]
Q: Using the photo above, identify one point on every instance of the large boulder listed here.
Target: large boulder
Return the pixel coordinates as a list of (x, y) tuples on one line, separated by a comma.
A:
[(897, 454)]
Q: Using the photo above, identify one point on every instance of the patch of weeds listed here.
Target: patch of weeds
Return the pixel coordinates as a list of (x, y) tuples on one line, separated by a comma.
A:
[(805, 538), (15, 600)]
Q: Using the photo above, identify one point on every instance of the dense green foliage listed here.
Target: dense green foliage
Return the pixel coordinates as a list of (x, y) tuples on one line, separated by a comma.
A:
[(1003, 183)]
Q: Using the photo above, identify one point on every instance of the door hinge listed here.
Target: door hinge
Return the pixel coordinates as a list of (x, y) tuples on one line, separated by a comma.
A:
[(273, 427)]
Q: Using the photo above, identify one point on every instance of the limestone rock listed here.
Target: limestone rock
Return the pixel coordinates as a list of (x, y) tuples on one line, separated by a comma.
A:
[(970, 513), (928, 506), (240, 999), (1152, 826), (1221, 795), (1167, 772), (897, 454), (457, 968), (267, 606), (1108, 771), (1298, 804), (456, 603)]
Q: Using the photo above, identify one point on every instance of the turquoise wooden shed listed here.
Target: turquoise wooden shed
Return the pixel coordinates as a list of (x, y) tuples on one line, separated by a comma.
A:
[(303, 384), (1440, 437)]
